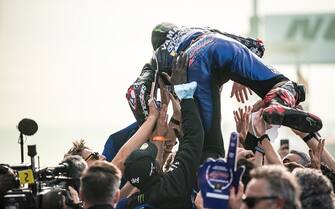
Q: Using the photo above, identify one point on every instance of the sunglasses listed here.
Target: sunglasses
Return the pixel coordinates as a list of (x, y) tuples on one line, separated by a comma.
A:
[(252, 201), (93, 155)]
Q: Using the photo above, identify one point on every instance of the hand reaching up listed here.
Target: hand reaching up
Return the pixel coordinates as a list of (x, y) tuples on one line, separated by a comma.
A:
[(240, 92), (179, 70)]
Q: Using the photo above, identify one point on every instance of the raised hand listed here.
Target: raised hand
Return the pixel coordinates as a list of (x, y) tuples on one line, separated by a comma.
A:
[(179, 70), (240, 92), (162, 126), (242, 117), (165, 98), (259, 124), (175, 106), (153, 108), (316, 154)]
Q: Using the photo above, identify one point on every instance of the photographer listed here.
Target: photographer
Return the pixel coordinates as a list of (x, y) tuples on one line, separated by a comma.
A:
[(63, 188)]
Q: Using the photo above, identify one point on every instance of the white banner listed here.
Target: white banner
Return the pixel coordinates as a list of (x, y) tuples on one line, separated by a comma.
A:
[(303, 39)]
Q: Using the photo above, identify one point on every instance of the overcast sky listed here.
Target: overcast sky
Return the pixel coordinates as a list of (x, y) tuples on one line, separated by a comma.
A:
[(67, 63)]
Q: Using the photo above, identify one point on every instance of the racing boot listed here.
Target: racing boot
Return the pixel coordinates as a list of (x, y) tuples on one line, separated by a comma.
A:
[(281, 109)]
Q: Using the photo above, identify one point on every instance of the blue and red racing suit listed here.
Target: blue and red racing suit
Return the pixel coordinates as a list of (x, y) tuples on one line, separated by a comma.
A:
[(215, 58)]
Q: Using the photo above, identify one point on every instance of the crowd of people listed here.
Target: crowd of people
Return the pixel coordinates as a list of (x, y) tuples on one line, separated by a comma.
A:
[(154, 163)]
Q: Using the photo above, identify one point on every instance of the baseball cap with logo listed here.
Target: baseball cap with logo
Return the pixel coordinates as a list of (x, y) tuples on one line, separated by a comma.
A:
[(140, 166)]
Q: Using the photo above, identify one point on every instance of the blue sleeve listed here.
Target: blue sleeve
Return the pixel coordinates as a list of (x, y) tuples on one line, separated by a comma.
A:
[(122, 203), (116, 140)]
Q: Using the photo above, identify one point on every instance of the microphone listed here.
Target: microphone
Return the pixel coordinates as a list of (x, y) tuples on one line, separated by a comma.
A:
[(76, 165), (72, 166), (27, 126), (61, 168)]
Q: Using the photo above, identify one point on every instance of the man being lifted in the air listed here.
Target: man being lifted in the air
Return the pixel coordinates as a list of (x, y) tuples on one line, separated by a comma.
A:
[(213, 59)]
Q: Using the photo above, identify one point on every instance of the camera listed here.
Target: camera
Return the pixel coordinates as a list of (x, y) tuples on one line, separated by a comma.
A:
[(45, 188)]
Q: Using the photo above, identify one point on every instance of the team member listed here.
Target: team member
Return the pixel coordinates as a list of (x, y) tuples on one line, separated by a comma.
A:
[(174, 188)]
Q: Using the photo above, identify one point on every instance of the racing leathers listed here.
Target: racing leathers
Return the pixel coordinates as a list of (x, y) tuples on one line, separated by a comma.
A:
[(215, 58)]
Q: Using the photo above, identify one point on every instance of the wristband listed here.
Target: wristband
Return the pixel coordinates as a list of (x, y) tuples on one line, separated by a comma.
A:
[(308, 137), (260, 139), (175, 121), (260, 150), (158, 138)]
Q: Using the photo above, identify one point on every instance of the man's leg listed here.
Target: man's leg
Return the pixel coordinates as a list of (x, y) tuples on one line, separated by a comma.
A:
[(213, 146), (207, 96), (280, 109), (280, 95)]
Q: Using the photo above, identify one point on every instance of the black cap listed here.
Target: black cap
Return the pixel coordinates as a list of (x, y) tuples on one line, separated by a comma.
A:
[(158, 34), (140, 165)]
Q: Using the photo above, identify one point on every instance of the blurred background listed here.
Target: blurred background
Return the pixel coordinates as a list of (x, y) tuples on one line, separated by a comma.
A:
[(68, 63)]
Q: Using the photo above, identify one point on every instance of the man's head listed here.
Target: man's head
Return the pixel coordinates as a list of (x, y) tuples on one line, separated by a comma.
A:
[(100, 184), (329, 173), (141, 166), (272, 187), (79, 148), (298, 157), (163, 57), (159, 34), (317, 191)]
